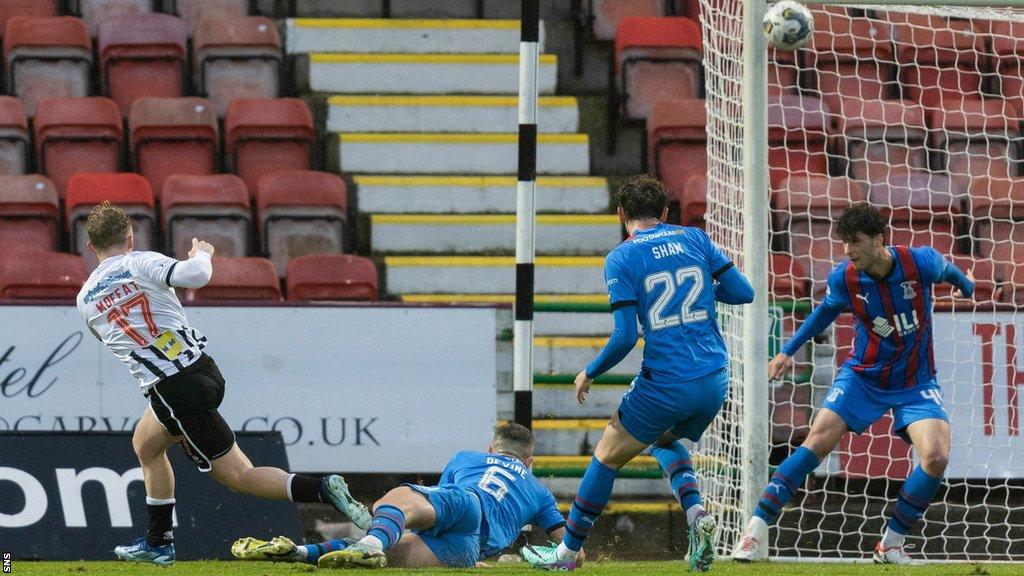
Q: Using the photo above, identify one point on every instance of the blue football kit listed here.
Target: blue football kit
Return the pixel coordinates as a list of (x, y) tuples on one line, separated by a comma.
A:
[(669, 278), (482, 502)]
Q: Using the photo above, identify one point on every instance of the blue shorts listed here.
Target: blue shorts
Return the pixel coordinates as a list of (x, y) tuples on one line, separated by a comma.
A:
[(860, 403), (455, 536), (649, 409)]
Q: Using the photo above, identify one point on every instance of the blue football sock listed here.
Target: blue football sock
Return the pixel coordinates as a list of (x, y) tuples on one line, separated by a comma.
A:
[(784, 484), (387, 525), (315, 551), (915, 496), (593, 496), (675, 460)]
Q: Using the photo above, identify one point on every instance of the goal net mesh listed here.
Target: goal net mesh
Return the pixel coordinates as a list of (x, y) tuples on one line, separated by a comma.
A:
[(918, 111)]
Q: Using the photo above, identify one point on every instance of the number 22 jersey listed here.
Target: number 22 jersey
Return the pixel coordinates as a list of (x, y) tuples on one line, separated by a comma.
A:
[(130, 306)]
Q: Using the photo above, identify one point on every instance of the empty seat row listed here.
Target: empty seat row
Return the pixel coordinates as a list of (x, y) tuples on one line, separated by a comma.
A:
[(94, 12), (165, 136), (316, 277), (869, 142), (297, 213), (142, 55)]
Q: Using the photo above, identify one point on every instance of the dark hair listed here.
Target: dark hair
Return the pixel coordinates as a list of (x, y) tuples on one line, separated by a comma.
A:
[(107, 226), (514, 438), (642, 196), (861, 217)]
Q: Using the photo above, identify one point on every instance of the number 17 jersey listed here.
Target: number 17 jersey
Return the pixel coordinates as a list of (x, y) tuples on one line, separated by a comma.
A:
[(668, 273), (130, 306)]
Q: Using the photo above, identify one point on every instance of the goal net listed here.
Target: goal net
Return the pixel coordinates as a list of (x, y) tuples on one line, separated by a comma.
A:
[(918, 111)]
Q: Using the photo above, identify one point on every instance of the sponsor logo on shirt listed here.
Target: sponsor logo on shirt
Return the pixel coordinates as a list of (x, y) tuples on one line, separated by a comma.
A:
[(105, 283), (900, 324)]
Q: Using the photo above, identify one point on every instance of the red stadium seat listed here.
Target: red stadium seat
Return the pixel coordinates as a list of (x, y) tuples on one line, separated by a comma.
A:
[(37, 8), (236, 57), (330, 277), (807, 207), (791, 413), (47, 58), (214, 208), (923, 209), (783, 74), (239, 278), (693, 202), (976, 138), (655, 59), (75, 135), (95, 12), (989, 278), (939, 58), (192, 11), (997, 216), (173, 136), (45, 276), (798, 129), (787, 278), (603, 16), (268, 135), (677, 141), (129, 191), (29, 214), (850, 57), (13, 136), (1008, 59), (142, 55), (299, 213), (880, 137)]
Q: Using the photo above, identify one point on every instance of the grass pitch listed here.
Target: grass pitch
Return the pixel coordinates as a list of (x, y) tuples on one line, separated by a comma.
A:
[(723, 568)]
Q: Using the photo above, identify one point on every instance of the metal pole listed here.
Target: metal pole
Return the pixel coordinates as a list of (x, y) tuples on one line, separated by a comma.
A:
[(755, 255), (526, 189)]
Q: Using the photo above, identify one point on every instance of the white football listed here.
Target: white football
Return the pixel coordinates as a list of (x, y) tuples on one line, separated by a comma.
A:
[(788, 25)]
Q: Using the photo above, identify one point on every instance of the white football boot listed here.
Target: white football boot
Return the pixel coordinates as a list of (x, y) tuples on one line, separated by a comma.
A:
[(753, 544)]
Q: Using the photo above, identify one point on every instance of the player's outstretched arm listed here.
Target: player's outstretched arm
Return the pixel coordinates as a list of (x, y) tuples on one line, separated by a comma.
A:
[(964, 283), (733, 287), (622, 340), (197, 270)]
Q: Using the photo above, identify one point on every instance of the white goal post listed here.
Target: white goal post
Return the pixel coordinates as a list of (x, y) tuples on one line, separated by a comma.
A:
[(916, 106)]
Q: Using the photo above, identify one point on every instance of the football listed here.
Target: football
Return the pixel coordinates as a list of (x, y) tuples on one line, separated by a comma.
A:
[(788, 25)]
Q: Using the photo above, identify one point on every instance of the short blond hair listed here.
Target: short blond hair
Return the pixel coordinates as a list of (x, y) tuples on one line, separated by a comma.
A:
[(108, 226)]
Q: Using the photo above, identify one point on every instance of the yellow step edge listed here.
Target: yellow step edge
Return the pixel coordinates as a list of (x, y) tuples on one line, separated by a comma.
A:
[(548, 181), (615, 507), (454, 138), (494, 219), (505, 298), (644, 461), (571, 424), (405, 23), (574, 342), (619, 507), (584, 461), (482, 101), (472, 59), (493, 261)]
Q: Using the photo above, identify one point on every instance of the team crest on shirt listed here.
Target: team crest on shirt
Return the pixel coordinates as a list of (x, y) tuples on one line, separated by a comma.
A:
[(908, 290)]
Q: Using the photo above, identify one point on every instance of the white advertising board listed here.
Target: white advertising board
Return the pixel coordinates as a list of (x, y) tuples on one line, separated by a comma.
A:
[(351, 389)]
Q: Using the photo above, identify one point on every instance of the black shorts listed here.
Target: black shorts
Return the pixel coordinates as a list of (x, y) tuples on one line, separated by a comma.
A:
[(186, 404)]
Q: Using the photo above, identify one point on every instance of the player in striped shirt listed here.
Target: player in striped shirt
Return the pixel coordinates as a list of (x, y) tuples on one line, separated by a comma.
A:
[(129, 304), (892, 367)]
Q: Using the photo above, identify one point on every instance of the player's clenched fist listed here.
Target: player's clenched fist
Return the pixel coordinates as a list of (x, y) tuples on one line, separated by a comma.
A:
[(779, 365), (200, 246)]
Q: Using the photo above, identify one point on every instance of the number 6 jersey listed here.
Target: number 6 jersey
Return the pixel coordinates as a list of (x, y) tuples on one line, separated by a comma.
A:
[(129, 304)]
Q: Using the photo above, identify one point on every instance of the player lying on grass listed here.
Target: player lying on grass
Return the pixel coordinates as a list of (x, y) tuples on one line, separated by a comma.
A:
[(669, 278), (129, 304), (892, 367), (477, 509)]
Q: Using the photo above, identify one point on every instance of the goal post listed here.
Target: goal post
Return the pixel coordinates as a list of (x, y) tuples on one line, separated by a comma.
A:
[(916, 106)]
